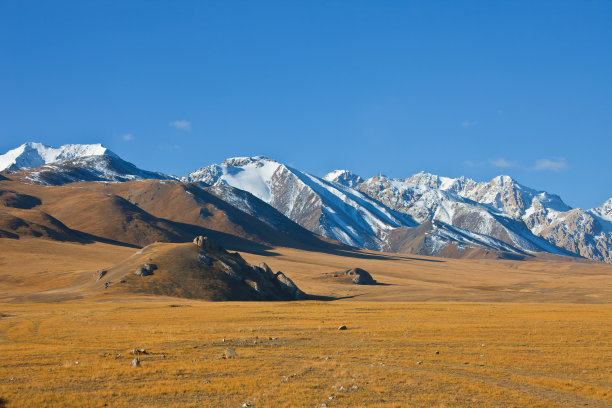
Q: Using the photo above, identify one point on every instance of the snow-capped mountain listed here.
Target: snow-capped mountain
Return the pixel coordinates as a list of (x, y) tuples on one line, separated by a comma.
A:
[(42, 164), (331, 210), (501, 209), (37, 154), (424, 213), (330, 207)]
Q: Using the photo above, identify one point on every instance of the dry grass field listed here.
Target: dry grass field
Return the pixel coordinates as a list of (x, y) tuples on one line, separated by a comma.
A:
[(293, 355), (436, 332)]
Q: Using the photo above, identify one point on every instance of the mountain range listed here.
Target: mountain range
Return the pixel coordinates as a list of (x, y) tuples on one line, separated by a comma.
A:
[(262, 198)]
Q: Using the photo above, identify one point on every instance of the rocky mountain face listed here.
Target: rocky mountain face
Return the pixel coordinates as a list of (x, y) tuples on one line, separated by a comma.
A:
[(502, 209)]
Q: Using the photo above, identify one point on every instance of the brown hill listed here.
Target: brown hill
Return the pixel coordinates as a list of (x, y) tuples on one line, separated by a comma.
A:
[(198, 270), (191, 204), (16, 223)]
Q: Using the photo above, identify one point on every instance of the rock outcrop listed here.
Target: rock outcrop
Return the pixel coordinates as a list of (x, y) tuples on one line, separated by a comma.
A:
[(199, 270), (360, 276)]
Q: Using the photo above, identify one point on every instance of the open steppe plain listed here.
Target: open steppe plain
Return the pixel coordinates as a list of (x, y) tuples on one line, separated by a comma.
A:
[(435, 332)]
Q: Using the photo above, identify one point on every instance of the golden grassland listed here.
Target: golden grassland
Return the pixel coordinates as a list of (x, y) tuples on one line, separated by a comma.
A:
[(293, 355), (539, 336)]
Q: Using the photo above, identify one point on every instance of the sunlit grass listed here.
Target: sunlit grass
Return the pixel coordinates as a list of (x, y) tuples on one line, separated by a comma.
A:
[(291, 354)]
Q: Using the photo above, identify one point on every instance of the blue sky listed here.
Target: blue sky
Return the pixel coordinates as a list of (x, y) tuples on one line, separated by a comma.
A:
[(478, 88)]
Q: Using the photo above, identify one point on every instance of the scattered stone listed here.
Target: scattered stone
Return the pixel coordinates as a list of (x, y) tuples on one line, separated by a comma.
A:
[(342, 327), (331, 397), (122, 281), (139, 351), (229, 353), (106, 285), (327, 358), (76, 363), (247, 404), (341, 388), (136, 362), (483, 345), (207, 381), (99, 274), (437, 352), (354, 387), (118, 356), (419, 362)]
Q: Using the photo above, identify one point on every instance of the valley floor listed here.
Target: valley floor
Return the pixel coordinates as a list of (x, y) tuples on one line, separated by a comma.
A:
[(435, 332), (78, 354)]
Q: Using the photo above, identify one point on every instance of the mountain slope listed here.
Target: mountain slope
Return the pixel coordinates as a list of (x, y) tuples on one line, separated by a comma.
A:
[(327, 209), (203, 207)]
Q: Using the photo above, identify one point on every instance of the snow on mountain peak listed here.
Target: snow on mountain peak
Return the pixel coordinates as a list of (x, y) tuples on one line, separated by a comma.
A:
[(37, 154), (503, 180), (344, 177), (604, 210), (243, 161)]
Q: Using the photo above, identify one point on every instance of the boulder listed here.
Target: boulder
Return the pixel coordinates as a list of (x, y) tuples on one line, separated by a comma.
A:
[(267, 271), (149, 267), (289, 285), (100, 274), (142, 272), (206, 244), (360, 276)]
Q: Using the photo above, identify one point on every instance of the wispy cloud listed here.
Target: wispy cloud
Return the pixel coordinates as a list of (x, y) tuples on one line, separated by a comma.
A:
[(181, 124), (468, 123), (503, 163), (548, 164), (468, 163), (127, 137)]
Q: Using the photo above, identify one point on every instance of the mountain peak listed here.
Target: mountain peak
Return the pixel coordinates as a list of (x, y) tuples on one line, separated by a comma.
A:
[(33, 154), (344, 177), (243, 161), (604, 210), (502, 180)]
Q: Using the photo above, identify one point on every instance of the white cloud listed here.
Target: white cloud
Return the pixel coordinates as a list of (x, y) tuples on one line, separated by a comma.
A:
[(127, 137), (547, 164), (503, 163), (468, 163), (181, 124), (467, 123)]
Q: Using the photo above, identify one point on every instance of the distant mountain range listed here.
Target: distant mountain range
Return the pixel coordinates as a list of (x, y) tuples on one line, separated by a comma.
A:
[(423, 214)]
